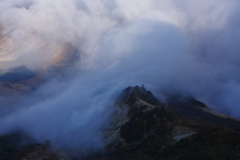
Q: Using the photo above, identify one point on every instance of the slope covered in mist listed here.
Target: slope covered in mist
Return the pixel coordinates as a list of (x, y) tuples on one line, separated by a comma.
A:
[(84, 52)]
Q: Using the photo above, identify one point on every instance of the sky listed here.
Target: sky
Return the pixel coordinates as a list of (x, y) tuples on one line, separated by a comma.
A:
[(186, 47)]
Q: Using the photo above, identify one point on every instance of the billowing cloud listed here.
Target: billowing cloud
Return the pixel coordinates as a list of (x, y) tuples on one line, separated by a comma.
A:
[(178, 46)]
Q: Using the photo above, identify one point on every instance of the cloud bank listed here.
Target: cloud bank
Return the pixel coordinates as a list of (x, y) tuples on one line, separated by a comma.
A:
[(178, 46)]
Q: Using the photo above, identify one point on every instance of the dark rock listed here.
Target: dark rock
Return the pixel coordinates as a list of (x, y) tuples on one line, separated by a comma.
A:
[(131, 95), (134, 130), (17, 74), (181, 130)]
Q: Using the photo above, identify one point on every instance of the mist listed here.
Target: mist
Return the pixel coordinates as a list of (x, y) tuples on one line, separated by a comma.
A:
[(186, 47)]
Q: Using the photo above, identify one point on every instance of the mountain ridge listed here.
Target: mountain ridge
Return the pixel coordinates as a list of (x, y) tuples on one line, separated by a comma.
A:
[(145, 128)]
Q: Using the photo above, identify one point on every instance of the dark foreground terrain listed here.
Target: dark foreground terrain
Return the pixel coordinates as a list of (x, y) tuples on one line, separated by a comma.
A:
[(182, 129)]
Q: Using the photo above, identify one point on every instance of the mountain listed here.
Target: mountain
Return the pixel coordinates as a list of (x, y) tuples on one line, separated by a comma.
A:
[(181, 128), (18, 81), (142, 127), (17, 74)]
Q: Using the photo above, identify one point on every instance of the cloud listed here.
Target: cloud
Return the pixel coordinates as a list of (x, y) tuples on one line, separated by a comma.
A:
[(179, 46)]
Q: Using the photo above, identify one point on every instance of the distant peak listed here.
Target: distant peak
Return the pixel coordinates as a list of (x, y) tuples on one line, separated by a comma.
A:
[(17, 74), (20, 69)]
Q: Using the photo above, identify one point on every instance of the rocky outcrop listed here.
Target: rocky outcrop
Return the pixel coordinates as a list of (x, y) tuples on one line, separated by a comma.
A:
[(132, 95), (144, 112), (183, 128), (140, 116)]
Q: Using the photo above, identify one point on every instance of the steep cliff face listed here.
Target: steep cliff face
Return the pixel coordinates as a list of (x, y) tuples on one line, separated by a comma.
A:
[(139, 115), (142, 116)]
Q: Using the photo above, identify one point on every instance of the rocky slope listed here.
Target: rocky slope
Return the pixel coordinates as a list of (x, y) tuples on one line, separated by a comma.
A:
[(145, 128), (183, 128)]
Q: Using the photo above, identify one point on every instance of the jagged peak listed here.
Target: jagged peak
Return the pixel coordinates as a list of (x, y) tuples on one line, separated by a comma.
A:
[(143, 87), (131, 95)]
